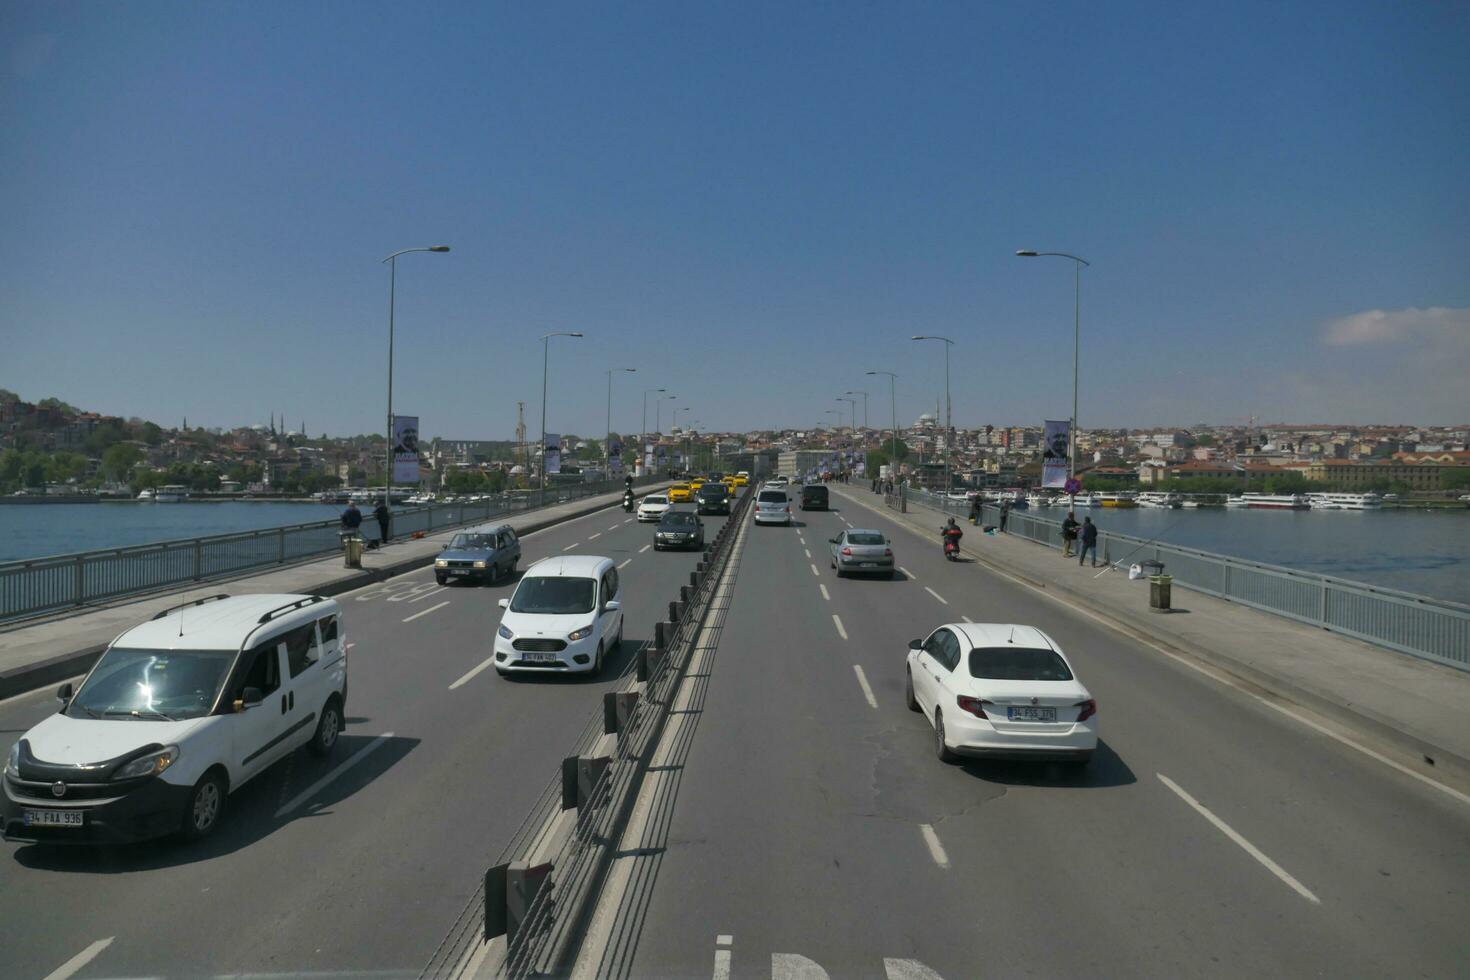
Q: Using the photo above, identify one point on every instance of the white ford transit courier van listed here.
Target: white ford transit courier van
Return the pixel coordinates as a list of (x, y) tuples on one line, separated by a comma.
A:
[(565, 615), (176, 714)]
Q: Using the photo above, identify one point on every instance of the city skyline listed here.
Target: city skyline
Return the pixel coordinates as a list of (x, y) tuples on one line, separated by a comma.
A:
[(754, 208)]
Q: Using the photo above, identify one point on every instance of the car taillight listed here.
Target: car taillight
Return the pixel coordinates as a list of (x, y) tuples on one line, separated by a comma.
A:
[(1089, 708), (887, 552), (975, 706), (847, 552)]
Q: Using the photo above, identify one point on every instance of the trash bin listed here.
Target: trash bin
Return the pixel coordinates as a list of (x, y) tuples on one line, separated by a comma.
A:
[(352, 551), (1159, 588)]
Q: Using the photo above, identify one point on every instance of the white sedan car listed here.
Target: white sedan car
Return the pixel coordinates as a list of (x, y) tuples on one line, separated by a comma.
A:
[(652, 507), (998, 690)]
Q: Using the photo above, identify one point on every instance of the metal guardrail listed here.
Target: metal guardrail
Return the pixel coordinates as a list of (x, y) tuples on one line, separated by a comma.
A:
[(43, 585), (1421, 626), (540, 892)]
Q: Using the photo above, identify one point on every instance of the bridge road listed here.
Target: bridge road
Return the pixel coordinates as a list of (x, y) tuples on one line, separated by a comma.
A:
[(368, 872), (810, 823)]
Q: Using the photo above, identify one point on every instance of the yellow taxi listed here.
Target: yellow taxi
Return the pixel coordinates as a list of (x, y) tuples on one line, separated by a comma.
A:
[(680, 493), (741, 479), (696, 483), (730, 483)]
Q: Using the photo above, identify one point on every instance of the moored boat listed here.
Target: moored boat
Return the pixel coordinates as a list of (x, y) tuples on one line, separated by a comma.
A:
[(1269, 501)]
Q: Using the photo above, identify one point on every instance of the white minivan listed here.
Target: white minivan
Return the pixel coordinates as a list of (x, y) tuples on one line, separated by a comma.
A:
[(564, 616), (176, 714)]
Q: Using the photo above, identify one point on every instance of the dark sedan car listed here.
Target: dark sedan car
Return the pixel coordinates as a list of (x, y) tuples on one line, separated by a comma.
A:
[(814, 497), (713, 498), (678, 529)]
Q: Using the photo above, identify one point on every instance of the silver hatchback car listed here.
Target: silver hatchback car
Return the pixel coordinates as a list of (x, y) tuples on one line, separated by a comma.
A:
[(863, 552)]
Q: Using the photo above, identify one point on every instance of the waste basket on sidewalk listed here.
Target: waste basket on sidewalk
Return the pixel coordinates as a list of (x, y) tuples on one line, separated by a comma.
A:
[(352, 551), (1159, 588)]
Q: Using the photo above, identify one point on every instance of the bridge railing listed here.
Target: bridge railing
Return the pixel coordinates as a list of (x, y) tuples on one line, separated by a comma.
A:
[(1422, 626), (38, 586)]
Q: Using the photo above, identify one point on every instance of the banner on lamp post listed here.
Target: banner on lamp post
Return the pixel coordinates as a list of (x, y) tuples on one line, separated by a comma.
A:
[(405, 449), (1054, 455), (551, 453)]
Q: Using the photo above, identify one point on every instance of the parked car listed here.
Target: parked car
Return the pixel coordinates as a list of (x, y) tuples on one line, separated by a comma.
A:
[(178, 713), (814, 497), (679, 529), (772, 506), (564, 616), (486, 552), (652, 507), (1002, 691), (713, 498), (862, 551)]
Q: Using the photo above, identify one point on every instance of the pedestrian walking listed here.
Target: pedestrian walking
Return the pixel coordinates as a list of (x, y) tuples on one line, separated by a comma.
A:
[(383, 515), (1089, 541), (1005, 514), (1069, 534)]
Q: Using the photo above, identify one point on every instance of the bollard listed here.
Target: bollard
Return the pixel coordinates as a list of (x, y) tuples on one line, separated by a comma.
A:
[(643, 664), (510, 890), (676, 611), (661, 633), (684, 593), (579, 776)]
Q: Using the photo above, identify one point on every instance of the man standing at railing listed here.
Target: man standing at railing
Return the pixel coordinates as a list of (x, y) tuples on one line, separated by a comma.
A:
[(1069, 534), (1089, 541), (351, 518), (383, 515)]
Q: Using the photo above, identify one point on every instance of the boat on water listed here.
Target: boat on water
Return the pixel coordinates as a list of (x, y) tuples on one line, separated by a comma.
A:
[(1268, 501), (173, 493), (1038, 500), (1087, 500), (1167, 501), (146, 495), (1344, 501), (1123, 499)]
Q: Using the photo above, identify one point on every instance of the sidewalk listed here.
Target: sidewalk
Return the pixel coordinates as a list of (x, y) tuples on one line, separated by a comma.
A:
[(1417, 706), (33, 656)]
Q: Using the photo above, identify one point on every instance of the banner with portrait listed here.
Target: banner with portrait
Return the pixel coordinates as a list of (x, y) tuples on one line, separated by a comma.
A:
[(405, 449), (552, 453), (1054, 454)]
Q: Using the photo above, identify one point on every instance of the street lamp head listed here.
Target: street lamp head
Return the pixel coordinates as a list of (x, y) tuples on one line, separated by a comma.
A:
[(919, 336), (574, 334), (439, 248), (1028, 252)]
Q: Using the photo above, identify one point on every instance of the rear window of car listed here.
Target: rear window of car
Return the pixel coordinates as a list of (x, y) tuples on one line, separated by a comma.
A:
[(1018, 664), (772, 497), (814, 491), (859, 537)]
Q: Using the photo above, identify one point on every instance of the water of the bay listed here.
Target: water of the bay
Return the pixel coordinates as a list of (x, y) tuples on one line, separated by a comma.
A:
[(1423, 551)]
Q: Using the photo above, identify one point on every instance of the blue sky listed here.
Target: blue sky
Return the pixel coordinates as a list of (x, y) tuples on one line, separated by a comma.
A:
[(752, 204)]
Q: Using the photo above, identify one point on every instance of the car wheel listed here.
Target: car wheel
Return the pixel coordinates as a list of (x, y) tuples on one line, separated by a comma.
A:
[(908, 692), (597, 663), (441, 579), (204, 807), (510, 570), (940, 749), (328, 727), (840, 572), (892, 574)]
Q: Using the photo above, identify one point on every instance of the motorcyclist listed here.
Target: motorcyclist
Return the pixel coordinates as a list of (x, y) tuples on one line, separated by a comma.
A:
[(628, 499), (951, 533)]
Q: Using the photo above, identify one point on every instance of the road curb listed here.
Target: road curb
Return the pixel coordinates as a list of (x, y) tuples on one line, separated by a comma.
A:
[(31, 677), (1427, 757)]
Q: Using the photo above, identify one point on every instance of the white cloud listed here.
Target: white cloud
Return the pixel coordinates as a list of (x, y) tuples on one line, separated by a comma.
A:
[(1434, 325)]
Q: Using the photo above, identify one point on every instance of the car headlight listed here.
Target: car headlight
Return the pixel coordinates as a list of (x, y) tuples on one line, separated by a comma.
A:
[(581, 634), (480, 564), (12, 762), (440, 563), (507, 634), (148, 765)]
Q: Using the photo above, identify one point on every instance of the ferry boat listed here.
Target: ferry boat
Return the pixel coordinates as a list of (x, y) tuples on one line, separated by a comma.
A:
[(1087, 500), (1167, 501), (1038, 500), (173, 493), (1345, 501), (1124, 499), (146, 495), (1269, 501)]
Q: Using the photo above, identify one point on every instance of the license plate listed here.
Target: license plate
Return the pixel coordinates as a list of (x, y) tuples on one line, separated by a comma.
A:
[(540, 658), (866, 564), (52, 818), (459, 571), (1031, 714)]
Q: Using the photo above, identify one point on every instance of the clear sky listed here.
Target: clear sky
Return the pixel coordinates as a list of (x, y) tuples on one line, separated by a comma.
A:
[(752, 204)]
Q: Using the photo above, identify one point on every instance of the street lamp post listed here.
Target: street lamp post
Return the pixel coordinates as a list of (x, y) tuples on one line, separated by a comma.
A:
[(657, 414), (948, 426), (643, 433), (865, 406), (392, 261), (607, 439), (893, 407), (545, 364), (853, 431), (1077, 263)]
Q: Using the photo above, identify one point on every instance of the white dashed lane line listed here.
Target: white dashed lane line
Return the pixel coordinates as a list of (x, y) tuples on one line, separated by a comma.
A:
[(426, 612), (907, 573), (936, 849), (594, 537), (644, 548), (936, 595), (824, 593), (815, 572), (571, 546), (863, 683), (80, 960), (624, 563), (837, 621)]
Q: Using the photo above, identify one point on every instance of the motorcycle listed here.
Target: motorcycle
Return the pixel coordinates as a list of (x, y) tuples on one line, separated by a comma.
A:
[(628, 503), (951, 543)]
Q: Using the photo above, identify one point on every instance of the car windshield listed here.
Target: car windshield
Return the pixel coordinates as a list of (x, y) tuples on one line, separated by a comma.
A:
[(864, 537), (712, 490), (772, 497), (1018, 664), (656, 499), (678, 519), (152, 684), (472, 542), (554, 596)]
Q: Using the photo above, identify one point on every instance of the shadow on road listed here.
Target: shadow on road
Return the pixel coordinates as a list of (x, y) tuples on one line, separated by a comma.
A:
[(1106, 769)]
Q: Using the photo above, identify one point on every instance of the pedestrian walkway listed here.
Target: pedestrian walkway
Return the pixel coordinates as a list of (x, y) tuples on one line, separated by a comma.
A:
[(1418, 706), (41, 653)]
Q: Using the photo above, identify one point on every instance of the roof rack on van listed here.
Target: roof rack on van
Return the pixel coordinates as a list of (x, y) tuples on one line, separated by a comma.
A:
[(194, 602), (269, 615)]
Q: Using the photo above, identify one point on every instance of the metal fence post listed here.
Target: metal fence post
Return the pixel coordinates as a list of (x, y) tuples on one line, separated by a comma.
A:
[(281, 545), (81, 581), (198, 560)]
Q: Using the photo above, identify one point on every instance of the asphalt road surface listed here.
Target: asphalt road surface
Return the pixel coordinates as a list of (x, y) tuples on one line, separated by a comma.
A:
[(815, 833), (366, 873)]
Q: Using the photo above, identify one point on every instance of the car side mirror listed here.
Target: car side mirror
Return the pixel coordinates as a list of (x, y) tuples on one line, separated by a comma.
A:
[(64, 692), (611, 605), (833, 540), (503, 603), (249, 698), (916, 644)]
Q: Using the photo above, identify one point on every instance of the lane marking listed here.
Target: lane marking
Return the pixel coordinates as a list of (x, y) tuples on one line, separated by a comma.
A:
[(426, 612), (815, 572), (472, 673), (616, 526), (594, 537), (967, 619), (571, 546), (863, 683), (628, 521), (347, 764), (836, 621), (624, 563), (936, 595), (426, 595), (824, 593), (80, 960), (1246, 845), (808, 552), (724, 940), (908, 970), (936, 849), (794, 966), (722, 965), (907, 573), (644, 548)]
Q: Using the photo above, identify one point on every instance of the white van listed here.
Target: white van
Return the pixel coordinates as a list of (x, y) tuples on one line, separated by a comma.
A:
[(565, 615), (176, 714)]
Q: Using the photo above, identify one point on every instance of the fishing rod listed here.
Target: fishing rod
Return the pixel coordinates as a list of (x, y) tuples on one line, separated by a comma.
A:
[(1143, 544)]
